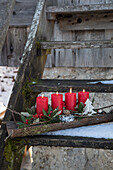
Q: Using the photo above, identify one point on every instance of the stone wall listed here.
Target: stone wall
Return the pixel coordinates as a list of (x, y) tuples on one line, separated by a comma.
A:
[(66, 158)]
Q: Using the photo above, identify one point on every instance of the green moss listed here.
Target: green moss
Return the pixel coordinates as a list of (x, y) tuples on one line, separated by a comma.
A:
[(48, 51), (38, 45), (13, 153), (29, 97)]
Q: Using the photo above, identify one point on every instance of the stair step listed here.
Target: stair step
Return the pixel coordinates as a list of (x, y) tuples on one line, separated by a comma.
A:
[(76, 44), (53, 85), (80, 9)]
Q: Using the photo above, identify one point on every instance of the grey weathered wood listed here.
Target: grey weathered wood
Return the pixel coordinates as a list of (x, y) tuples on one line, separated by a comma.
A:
[(77, 85), (81, 8), (77, 2), (5, 15), (14, 46), (87, 22), (77, 44), (23, 13), (13, 131)]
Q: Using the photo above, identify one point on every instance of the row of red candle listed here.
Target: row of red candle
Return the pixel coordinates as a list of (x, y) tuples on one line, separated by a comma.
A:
[(57, 101)]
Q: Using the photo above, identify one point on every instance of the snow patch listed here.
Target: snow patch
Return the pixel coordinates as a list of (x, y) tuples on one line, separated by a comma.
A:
[(7, 79), (96, 131), (103, 82)]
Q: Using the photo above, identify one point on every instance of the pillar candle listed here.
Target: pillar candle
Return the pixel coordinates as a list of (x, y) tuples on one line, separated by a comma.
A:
[(82, 97), (57, 101), (70, 100), (42, 103)]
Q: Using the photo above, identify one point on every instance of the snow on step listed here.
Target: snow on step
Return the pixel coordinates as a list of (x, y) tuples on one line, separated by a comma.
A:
[(97, 131)]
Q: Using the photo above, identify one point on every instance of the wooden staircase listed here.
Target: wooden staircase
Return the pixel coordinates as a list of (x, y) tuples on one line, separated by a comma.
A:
[(38, 46)]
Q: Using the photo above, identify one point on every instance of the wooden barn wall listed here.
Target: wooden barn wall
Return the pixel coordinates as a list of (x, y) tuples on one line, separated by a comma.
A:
[(77, 2), (82, 57), (16, 38), (21, 21), (14, 46)]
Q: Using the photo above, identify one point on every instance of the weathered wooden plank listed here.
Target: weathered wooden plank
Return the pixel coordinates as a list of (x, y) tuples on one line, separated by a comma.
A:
[(80, 8), (50, 85), (23, 13), (67, 141), (34, 130), (77, 44), (5, 15), (14, 46), (84, 22), (77, 2)]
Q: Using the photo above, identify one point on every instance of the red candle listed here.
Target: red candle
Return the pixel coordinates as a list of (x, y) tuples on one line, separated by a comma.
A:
[(82, 97), (70, 100), (57, 101), (42, 103)]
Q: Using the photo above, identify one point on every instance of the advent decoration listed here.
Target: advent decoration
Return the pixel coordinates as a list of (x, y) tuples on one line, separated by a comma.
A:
[(88, 109), (59, 111)]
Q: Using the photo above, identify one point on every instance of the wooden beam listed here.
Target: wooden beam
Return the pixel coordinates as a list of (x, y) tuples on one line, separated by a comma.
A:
[(67, 141), (13, 131), (98, 21), (77, 85), (76, 44), (5, 16), (80, 9)]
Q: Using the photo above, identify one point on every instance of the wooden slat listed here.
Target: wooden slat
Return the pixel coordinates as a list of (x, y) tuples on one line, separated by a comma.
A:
[(6, 8), (39, 129), (23, 13), (76, 44), (67, 141), (98, 21), (77, 85), (80, 8)]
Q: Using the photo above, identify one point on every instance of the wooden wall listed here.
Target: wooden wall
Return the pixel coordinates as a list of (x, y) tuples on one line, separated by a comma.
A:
[(16, 38), (94, 26), (14, 46), (77, 2)]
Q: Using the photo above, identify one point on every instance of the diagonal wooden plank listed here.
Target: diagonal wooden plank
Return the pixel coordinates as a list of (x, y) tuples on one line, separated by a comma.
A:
[(13, 131)]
